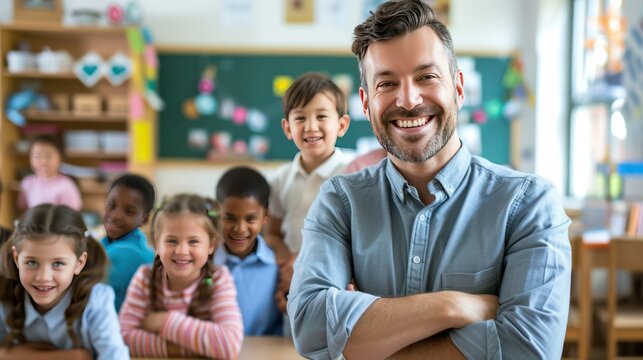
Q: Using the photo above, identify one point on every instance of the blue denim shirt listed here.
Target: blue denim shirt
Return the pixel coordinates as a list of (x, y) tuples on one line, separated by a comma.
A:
[(490, 230), (255, 277), (97, 328)]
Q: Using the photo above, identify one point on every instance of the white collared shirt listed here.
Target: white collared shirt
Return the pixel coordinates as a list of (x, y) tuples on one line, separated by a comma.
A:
[(292, 191)]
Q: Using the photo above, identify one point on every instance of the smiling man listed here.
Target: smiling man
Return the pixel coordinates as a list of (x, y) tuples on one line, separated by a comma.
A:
[(434, 252)]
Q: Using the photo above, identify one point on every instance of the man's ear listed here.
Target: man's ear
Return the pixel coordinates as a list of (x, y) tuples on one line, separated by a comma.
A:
[(344, 122), (285, 125), (363, 95), (459, 88)]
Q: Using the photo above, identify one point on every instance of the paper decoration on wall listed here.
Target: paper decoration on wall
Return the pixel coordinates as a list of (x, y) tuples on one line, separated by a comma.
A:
[(257, 121), (204, 103), (473, 83), (198, 139), (133, 13), (299, 11), (115, 14), (332, 12), (513, 80), (280, 84), (345, 83), (236, 13), (493, 108), (136, 106), (89, 68), (226, 109), (189, 109), (258, 146), (144, 64), (221, 142), (479, 116), (355, 109), (239, 115), (142, 142), (118, 69), (240, 147)]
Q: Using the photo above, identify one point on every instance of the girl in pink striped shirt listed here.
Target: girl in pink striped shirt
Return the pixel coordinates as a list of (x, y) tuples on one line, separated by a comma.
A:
[(183, 305)]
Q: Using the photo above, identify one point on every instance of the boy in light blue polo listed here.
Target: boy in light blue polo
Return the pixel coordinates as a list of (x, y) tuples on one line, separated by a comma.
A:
[(243, 194), (128, 205)]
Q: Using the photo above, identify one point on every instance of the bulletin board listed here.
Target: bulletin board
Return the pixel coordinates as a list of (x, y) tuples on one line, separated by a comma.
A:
[(248, 81)]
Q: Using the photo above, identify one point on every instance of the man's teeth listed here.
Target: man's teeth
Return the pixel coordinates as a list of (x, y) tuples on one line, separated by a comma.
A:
[(411, 123)]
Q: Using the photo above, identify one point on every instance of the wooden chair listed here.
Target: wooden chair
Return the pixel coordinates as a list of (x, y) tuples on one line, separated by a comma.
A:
[(624, 323), (579, 328)]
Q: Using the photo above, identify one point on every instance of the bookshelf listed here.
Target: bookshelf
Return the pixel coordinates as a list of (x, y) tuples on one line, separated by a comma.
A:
[(77, 41)]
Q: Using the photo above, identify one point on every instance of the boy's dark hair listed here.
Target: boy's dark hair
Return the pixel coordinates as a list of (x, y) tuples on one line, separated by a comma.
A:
[(307, 86), (139, 184), (243, 182), (48, 140), (396, 18), (42, 223)]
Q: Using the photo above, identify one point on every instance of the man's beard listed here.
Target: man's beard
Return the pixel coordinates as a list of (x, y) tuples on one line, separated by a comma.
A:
[(417, 152)]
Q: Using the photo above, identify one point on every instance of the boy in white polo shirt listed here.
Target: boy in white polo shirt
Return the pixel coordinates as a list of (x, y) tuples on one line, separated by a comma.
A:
[(315, 115)]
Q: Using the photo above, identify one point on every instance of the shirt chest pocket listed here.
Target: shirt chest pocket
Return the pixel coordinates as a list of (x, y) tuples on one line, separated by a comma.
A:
[(481, 282)]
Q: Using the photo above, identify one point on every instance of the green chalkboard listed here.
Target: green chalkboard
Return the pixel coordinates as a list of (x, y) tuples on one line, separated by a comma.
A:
[(247, 81)]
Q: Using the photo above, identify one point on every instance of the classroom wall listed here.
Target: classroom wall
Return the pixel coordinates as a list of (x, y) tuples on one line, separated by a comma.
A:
[(491, 26)]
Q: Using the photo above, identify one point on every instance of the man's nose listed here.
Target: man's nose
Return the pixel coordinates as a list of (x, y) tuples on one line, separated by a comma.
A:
[(409, 96)]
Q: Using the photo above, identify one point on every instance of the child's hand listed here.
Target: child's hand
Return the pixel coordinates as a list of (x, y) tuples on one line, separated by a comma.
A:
[(282, 300), (285, 273), (352, 286), (154, 321)]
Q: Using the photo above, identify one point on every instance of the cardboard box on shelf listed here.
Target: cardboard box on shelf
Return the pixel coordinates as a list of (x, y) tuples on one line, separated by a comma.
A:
[(116, 104), (87, 104)]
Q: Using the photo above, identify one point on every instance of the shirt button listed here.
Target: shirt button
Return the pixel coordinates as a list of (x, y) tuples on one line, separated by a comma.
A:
[(422, 217), (416, 259)]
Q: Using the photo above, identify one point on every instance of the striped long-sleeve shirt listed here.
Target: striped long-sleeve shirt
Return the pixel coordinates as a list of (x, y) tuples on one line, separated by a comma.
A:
[(219, 337)]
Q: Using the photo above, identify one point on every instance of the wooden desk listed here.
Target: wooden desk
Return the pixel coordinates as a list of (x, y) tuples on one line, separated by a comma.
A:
[(260, 348)]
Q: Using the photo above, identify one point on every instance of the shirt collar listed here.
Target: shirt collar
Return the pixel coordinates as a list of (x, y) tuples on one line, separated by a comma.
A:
[(449, 177), (325, 169), (263, 254), (53, 318)]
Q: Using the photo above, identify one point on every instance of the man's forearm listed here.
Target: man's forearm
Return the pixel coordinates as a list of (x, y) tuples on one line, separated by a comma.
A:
[(436, 347), (390, 325)]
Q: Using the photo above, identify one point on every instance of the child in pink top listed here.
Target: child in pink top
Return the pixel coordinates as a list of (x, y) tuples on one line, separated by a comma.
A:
[(182, 305), (47, 184)]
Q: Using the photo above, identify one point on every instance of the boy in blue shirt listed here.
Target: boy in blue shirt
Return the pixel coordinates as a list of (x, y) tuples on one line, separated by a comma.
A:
[(243, 194), (129, 201)]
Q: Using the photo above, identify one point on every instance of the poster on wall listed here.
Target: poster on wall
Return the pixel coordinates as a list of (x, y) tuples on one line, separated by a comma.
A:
[(300, 11), (236, 13), (441, 8)]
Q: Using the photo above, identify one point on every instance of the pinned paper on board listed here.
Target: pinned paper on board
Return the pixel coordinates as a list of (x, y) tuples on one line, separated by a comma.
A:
[(236, 13), (300, 11), (280, 84), (332, 12), (142, 142)]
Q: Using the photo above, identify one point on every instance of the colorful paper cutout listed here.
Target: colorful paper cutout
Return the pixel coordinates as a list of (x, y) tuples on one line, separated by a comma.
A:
[(142, 142), (239, 115), (89, 68), (280, 84), (257, 121)]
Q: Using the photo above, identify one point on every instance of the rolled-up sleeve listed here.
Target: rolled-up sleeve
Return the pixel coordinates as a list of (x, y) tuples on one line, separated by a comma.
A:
[(322, 312), (535, 287)]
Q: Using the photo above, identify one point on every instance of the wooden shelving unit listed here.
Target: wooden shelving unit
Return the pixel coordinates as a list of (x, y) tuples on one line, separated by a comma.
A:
[(77, 41)]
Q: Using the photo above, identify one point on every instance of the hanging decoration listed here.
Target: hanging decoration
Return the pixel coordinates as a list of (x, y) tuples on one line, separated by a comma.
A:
[(204, 103)]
